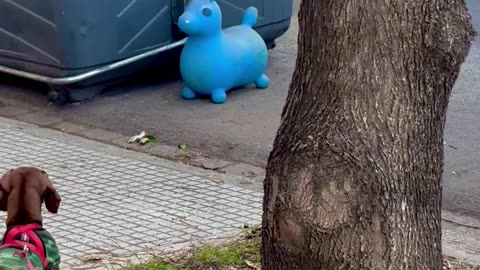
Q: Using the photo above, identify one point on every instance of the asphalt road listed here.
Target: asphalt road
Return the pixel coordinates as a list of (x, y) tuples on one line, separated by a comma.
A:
[(243, 129), (462, 134)]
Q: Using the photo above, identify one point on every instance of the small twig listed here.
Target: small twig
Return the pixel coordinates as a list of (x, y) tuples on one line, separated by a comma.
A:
[(453, 147)]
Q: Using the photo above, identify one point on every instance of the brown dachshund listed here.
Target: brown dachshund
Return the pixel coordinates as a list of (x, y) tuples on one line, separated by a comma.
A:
[(25, 244)]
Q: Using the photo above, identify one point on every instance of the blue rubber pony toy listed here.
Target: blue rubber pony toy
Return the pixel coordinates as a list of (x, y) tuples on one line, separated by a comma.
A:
[(213, 60)]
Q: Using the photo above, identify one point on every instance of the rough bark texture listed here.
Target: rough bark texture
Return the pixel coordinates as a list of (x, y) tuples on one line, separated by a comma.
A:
[(354, 179)]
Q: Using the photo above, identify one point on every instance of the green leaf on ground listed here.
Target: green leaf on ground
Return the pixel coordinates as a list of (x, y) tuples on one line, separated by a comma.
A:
[(151, 139), (182, 146)]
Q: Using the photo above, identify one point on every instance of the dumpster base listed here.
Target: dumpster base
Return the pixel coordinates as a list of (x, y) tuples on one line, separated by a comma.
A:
[(63, 94), (74, 85)]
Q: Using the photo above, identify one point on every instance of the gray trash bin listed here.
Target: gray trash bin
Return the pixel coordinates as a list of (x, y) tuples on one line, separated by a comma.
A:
[(79, 46)]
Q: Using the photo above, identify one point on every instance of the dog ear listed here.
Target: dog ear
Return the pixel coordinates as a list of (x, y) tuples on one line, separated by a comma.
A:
[(3, 199), (52, 199), (50, 196), (4, 190)]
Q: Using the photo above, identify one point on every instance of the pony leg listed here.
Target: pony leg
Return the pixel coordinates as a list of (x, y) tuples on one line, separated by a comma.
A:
[(262, 82), (219, 96), (188, 93)]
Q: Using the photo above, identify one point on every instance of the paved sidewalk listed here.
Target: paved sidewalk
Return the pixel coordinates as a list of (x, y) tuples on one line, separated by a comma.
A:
[(119, 206)]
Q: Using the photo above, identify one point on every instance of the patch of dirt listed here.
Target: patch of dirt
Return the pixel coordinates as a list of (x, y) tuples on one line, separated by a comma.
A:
[(450, 263), (242, 253)]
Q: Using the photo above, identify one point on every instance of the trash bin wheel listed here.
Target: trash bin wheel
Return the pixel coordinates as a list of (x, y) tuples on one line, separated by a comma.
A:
[(59, 95), (62, 94), (271, 44)]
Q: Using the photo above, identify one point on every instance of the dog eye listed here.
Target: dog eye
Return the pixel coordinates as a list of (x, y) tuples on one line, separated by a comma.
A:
[(43, 172), (206, 12)]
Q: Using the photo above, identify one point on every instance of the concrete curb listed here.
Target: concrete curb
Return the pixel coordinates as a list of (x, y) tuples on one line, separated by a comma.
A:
[(192, 157), (214, 176)]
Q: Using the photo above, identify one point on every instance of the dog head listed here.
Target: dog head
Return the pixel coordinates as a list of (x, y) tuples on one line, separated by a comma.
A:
[(22, 193)]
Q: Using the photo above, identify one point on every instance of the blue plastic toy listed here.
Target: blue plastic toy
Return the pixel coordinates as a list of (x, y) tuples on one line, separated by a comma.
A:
[(213, 60)]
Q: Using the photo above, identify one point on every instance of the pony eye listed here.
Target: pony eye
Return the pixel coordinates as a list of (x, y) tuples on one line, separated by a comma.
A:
[(206, 12)]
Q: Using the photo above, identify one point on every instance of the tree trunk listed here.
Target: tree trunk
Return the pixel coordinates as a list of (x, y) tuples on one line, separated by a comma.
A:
[(354, 179)]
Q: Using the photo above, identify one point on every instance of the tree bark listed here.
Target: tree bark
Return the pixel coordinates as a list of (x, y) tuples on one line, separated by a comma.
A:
[(354, 179)]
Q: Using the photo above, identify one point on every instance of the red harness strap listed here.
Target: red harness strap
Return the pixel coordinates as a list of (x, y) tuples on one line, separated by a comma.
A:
[(32, 243)]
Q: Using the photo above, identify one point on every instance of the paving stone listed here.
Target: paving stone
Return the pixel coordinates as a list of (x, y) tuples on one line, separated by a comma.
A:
[(70, 127), (13, 111), (40, 119), (209, 163), (100, 134), (163, 150), (124, 206), (246, 170)]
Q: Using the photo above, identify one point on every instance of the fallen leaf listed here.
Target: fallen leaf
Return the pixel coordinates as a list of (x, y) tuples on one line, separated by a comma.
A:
[(249, 173), (182, 146), (92, 257), (217, 179), (456, 173), (252, 265), (137, 137)]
